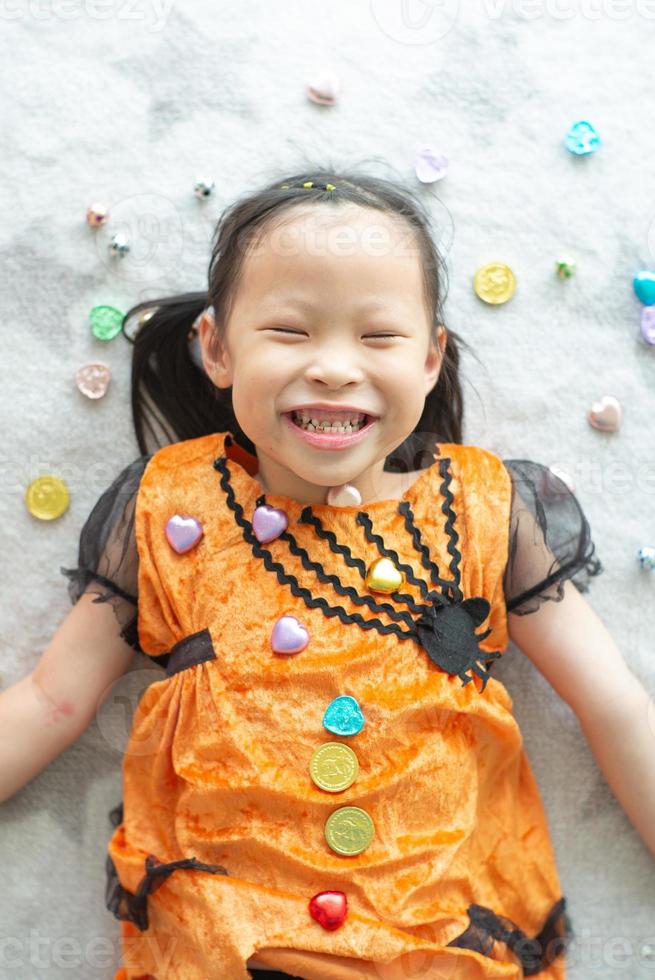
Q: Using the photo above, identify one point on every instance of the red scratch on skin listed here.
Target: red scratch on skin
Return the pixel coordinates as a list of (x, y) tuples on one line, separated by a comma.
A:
[(58, 712)]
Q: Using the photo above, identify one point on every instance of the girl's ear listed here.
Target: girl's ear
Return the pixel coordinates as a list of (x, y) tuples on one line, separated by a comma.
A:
[(434, 359), (215, 355)]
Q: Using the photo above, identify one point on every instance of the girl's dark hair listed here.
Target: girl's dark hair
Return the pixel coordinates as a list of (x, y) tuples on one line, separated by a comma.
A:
[(164, 373)]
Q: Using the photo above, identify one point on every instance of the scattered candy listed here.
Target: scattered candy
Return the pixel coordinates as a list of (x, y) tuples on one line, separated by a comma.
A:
[(343, 716), (106, 322), (289, 635), (268, 523), (383, 576), (333, 767), (646, 556), (606, 414), (582, 138), (97, 215), (430, 165), (565, 267), (119, 246), (648, 324), (183, 533), (329, 909), (345, 495), (644, 286), (203, 187), (47, 498), (93, 379), (494, 282), (324, 89)]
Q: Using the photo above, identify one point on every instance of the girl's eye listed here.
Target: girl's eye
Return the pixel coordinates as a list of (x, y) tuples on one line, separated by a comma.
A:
[(375, 336)]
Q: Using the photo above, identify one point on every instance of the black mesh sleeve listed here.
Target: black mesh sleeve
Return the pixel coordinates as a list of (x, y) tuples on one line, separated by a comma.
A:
[(549, 539), (108, 561)]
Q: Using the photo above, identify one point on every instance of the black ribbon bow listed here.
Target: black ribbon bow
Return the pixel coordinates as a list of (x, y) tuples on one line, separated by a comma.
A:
[(447, 634)]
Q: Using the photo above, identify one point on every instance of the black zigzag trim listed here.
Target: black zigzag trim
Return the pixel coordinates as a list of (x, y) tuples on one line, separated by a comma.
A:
[(376, 539), (453, 536), (426, 559), (344, 550), (308, 517), (286, 579)]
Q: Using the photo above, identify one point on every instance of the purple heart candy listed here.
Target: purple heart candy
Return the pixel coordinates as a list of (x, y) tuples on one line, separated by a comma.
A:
[(183, 533), (268, 523), (648, 324), (289, 635)]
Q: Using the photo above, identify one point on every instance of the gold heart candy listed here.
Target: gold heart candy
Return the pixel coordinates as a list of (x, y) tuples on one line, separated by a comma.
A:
[(383, 576)]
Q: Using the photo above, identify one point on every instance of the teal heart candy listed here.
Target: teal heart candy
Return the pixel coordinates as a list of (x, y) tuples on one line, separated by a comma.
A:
[(582, 138), (644, 287), (343, 716)]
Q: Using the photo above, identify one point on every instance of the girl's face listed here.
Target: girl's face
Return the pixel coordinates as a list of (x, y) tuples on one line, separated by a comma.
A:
[(329, 310)]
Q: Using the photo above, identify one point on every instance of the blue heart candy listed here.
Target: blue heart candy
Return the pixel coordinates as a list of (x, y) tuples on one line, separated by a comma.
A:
[(644, 287), (582, 138), (343, 716)]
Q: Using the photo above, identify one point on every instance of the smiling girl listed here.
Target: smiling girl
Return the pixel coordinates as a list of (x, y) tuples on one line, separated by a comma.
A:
[(328, 781)]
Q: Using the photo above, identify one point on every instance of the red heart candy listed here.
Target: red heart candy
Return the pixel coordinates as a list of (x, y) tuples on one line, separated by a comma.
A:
[(329, 909)]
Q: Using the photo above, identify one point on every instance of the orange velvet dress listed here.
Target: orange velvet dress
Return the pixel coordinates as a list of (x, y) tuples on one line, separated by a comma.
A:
[(220, 845)]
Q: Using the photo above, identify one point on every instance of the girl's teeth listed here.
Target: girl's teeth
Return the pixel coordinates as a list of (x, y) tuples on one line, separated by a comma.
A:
[(315, 425)]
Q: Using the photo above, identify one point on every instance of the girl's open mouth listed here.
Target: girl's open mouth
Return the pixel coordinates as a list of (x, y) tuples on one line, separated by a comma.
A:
[(335, 435)]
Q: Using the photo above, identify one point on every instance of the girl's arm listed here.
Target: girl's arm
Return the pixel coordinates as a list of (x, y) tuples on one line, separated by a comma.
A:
[(570, 646), (47, 710)]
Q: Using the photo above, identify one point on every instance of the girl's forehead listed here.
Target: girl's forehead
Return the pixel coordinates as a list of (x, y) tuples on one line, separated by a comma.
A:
[(352, 245)]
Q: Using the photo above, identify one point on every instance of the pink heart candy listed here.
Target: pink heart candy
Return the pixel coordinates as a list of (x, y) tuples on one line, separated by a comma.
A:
[(183, 533), (289, 635), (268, 523), (606, 414)]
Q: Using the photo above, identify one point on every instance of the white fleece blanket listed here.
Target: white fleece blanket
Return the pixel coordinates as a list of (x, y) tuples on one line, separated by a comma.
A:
[(127, 101)]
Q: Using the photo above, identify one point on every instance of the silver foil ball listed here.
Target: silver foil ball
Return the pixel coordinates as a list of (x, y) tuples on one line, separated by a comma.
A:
[(119, 246), (646, 556), (203, 187)]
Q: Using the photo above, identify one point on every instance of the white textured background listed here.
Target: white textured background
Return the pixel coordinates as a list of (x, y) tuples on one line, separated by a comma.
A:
[(127, 102)]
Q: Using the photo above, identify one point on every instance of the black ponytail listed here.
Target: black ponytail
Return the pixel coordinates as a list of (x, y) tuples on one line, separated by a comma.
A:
[(171, 390)]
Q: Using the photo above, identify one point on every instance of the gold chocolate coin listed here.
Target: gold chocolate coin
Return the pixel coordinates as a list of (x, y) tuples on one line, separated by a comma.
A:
[(349, 830), (494, 282), (333, 766), (47, 497)]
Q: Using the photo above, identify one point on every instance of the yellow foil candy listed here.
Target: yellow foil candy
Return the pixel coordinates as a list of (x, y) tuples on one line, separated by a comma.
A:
[(494, 282), (349, 830), (334, 766), (47, 497), (383, 576)]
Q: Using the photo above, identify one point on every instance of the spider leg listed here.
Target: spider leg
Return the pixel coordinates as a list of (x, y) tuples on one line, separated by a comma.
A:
[(484, 674)]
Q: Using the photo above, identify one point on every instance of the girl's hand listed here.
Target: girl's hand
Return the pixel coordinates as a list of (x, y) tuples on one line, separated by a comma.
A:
[(46, 711), (569, 644)]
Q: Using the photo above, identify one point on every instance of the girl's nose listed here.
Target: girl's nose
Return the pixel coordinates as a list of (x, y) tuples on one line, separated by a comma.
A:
[(335, 368)]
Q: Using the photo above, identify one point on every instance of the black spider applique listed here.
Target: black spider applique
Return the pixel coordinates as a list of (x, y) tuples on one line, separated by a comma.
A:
[(447, 634)]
